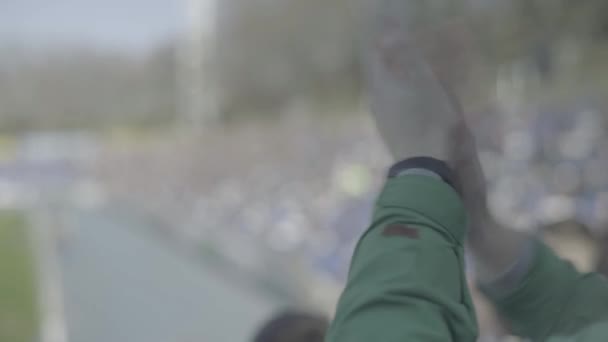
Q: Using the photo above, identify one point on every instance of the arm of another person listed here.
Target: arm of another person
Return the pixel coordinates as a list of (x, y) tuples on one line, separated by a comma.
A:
[(543, 297), (406, 281), (539, 295)]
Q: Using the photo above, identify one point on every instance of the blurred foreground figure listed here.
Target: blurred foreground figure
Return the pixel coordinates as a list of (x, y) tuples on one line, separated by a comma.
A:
[(293, 327), (407, 279)]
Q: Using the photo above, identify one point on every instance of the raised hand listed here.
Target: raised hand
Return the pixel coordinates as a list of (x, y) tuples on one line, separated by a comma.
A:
[(417, 115)]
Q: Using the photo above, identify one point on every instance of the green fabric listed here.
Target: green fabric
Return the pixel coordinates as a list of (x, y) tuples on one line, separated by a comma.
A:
[(409, 288), (554, 302), (412, 287)]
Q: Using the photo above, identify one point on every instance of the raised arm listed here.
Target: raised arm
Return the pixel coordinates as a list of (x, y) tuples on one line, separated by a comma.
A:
[(406, 281)]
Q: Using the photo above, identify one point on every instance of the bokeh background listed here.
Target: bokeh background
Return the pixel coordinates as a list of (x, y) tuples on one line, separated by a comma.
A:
[(181, 170)]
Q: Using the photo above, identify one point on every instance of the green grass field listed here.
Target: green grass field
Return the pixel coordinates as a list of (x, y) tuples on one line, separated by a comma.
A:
[(18, 309)]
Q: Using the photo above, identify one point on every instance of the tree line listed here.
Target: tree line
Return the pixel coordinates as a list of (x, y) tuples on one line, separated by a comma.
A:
[(269, 53)]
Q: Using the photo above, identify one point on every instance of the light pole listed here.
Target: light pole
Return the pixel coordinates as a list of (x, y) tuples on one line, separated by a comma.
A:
[(195, 70)]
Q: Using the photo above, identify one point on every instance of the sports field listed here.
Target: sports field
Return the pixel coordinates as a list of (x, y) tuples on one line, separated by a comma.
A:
[(18, 309)]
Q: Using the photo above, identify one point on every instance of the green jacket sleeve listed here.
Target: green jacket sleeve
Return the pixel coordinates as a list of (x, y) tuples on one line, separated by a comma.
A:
[(553, 301), (406, 281)]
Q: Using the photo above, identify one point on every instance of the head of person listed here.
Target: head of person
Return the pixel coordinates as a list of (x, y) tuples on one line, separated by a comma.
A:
[(293, 326)]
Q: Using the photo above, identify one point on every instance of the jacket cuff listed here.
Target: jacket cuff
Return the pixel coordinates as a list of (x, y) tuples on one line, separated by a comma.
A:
[(436, 166)]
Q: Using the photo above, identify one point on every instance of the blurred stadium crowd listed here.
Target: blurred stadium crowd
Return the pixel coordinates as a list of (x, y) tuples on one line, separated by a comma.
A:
[(303, 188), (297, 188)]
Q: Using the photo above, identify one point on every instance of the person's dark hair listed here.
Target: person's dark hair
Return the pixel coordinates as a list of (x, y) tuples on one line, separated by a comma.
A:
[(291, 326)]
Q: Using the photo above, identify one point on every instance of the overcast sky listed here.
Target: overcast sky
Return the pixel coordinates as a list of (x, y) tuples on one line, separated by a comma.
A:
[(125, 24)]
